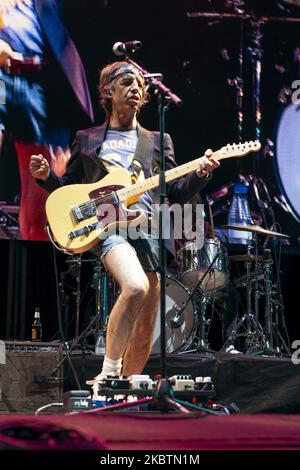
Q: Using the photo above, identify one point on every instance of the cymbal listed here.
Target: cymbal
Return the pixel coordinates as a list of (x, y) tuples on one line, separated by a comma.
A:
[(255, 229), (247, 257)]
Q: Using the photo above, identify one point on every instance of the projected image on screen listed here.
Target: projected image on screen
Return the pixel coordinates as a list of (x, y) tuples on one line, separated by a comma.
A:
[(287, 163)]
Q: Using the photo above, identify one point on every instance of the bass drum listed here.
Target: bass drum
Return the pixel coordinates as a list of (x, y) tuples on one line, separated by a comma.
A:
[(176, 338)]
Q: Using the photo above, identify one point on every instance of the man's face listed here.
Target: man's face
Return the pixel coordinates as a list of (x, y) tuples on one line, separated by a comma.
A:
[(126, 95)]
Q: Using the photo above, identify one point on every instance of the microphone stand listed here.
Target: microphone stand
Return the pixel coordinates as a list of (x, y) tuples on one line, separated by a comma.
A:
[(163, 395), (155, 81), (163, 106)]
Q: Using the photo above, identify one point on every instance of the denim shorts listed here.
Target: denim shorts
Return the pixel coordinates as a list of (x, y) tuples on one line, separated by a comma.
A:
[(146, 249)]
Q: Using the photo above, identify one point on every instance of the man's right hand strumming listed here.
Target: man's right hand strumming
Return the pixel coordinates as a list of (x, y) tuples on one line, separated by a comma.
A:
[(39, 167)]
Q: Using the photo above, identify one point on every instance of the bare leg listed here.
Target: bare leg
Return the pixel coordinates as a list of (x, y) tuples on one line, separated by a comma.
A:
[(126, 269), (140, 343)]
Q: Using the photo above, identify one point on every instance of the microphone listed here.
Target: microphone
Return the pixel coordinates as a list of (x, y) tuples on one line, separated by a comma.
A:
[(122, 48)]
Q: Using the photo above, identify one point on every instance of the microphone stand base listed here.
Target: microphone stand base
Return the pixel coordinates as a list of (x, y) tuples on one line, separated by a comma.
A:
[(162, 399), (199, 350)]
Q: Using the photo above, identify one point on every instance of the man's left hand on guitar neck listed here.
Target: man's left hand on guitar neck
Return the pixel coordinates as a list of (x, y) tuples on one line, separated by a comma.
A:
[(207, 164)]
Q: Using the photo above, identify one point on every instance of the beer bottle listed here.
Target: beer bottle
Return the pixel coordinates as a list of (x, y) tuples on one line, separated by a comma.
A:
[(36, 327)]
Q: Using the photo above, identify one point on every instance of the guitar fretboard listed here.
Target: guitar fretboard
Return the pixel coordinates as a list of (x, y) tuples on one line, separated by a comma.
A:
[(234, 150), (153, 182)]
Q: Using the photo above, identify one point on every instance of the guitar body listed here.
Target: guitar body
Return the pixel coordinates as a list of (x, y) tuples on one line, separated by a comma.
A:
[(109, 213)]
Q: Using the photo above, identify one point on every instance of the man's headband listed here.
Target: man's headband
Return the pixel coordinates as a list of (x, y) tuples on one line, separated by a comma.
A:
[(125, 69)]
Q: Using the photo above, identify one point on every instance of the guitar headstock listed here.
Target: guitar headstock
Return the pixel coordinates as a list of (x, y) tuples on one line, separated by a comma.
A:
[(240, 149)]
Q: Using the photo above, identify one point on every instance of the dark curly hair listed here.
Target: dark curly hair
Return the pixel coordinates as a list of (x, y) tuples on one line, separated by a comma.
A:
[(107, 78)]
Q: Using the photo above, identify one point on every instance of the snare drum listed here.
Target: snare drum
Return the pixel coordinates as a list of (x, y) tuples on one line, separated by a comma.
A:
[(195, 262)]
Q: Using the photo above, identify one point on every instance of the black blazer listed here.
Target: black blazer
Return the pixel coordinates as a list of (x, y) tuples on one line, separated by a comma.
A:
[(85, 166)]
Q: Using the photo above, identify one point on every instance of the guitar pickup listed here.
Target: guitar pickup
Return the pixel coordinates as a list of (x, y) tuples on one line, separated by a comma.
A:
[(78, 215), (86, 230), (84, 211)]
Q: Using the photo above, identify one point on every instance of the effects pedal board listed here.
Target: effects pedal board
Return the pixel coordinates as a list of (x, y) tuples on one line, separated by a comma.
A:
[(184, 386), (115, 389)]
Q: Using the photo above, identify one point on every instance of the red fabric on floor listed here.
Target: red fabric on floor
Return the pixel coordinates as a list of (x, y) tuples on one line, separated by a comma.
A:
[(135, 431)]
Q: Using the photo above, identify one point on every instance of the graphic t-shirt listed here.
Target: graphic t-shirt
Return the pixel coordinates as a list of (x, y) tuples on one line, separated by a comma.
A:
[(118, 151)]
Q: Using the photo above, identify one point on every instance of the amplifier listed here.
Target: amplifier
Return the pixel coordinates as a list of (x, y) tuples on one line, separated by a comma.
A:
[(26, 376)]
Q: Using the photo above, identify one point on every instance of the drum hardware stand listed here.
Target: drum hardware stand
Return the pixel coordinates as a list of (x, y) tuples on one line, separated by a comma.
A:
[(200, 327), (278, 339), (96, 321), (77, 297), (272, 308), (74, 271), (199, 336), (76, 261), (203, 345), (104, 298), (254, 337), (100, 281), (90, 327), (100, 284), (267, 268), (257, 295), (257, 336), (64, 302)]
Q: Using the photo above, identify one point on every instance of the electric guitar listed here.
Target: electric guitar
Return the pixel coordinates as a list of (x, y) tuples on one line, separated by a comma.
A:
[(79, 215)]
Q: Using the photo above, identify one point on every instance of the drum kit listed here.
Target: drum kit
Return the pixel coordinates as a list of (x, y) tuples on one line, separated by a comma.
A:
[(203, 277), (201, 280)]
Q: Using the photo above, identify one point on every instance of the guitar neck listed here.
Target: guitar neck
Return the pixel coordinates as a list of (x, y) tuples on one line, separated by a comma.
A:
[(171, 175)]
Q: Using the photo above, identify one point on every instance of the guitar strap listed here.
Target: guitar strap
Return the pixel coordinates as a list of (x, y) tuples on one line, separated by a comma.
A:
[(144, 151)]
